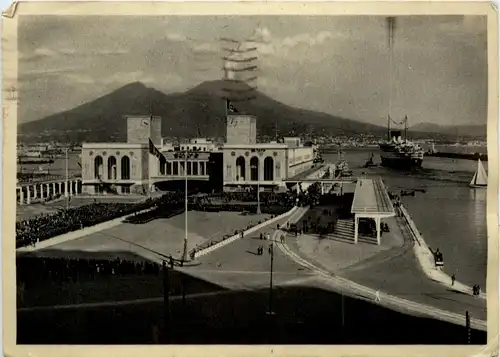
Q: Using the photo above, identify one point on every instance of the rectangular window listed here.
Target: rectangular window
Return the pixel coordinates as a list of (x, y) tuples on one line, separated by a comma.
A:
[(182, 170), (195, 168), (169, 168), (202, 168), (189, 164), (176, 168)]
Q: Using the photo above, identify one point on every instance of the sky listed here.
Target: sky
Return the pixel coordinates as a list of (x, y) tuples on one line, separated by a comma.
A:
[(333, 64)]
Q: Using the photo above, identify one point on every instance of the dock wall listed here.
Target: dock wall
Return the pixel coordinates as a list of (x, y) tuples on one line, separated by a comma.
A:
[(426, 257)]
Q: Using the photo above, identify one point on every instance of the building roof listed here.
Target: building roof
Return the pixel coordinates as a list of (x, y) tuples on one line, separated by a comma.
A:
[(371, 198), (255, 146), (114, 146)]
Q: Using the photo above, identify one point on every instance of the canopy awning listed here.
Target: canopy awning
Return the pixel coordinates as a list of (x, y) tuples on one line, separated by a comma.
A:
[(371, 199)]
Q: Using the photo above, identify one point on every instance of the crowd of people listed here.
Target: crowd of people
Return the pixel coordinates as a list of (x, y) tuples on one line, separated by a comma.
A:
[(45, 226), (168, 205), (36, 270), (270, 202)]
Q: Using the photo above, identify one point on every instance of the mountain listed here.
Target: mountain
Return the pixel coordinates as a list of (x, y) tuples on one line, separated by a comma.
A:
[(452, 131), (199, 111)]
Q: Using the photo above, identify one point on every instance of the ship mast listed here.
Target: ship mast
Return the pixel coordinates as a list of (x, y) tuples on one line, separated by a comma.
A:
[(391, 25), (406, 127)]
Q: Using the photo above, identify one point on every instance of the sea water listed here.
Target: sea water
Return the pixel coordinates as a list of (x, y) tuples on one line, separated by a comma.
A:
[(450, 215)]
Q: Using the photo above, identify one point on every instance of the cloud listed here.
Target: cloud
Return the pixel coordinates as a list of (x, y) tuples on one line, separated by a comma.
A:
[(125, 78), (37, 54), (80, 78), (176, 37), (307, 39), (45, 52)]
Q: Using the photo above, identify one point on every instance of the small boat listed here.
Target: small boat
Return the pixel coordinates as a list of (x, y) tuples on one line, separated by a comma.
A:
[(480, 179), (408, 193), (370, 162)]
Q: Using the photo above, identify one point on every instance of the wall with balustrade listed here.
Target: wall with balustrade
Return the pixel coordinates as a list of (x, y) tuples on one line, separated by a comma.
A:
[(35, 192)]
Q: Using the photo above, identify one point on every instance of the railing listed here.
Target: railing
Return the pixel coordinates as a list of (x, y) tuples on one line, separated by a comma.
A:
[(409, 221), (46, 179)]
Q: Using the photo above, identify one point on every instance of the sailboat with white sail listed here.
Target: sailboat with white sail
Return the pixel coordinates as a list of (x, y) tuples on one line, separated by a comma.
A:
[(480, 179)]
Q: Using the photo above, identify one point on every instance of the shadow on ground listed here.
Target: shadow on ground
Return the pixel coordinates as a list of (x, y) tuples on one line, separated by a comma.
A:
[(303, 315)]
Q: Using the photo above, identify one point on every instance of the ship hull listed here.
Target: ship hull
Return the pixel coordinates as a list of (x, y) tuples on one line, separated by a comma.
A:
[(401, 163)]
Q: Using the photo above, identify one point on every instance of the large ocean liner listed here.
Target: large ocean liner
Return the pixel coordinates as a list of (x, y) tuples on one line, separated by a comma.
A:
[(399, 153)]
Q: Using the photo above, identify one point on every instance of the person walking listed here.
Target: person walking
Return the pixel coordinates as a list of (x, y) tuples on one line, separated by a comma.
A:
[(377, 295), (453, 279)]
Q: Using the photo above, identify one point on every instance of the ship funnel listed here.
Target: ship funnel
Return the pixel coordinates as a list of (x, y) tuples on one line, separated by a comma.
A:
[(396, 135)]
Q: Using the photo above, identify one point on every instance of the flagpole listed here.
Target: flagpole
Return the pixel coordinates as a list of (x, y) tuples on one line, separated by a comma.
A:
[(184, 252), (67, 179)]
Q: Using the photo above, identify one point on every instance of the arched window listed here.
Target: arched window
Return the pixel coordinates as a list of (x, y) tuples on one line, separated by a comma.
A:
[(254, 168), (268, 169), (125, 168), (240, 168), (98, 163), (112, 168)]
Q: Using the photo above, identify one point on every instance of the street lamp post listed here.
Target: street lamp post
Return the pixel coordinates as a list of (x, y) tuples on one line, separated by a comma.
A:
[(258, 187), (184, 251), (271, 252), (67, 179), (186, 155)]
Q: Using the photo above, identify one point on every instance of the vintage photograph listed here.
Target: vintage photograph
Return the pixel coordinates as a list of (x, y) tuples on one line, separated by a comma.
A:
[(252, 179)]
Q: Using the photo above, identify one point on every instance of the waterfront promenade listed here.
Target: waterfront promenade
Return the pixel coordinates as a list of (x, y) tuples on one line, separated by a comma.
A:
[(394, 270)]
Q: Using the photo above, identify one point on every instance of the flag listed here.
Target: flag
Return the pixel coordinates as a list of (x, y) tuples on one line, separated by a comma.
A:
[(230, 107), (153, 150)]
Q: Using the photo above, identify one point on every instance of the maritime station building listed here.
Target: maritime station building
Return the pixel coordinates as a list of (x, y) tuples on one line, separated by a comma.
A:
[(145, 161)]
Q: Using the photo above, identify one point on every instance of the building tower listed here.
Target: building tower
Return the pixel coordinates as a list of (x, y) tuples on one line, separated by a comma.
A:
[(141, 128)]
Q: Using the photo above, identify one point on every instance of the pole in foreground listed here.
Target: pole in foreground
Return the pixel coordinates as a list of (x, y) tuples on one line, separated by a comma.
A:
[(467, 326), (66, 193), (166, 302), (184, 251), (271, 252), (258, 197)]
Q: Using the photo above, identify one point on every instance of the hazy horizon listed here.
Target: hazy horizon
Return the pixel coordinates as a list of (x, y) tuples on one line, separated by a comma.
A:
[(332, 64)]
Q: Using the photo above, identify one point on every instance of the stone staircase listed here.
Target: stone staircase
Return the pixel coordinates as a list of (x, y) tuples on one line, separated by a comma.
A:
[(344, 232)]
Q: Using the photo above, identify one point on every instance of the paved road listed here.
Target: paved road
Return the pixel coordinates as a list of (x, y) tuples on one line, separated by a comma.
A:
[(238, 266), (401, 277)]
